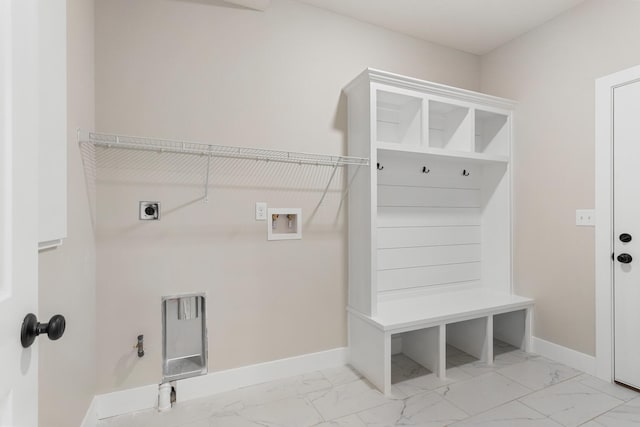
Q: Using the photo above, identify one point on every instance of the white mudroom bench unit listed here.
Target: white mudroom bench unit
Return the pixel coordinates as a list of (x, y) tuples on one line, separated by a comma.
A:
[(429, 225)]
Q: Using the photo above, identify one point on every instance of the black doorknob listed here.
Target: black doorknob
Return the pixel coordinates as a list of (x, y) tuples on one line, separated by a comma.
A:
[(625, 237), (625, 258), (31, 328)]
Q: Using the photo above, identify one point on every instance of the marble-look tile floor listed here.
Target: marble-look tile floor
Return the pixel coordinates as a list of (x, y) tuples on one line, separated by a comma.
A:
[(519, 390)]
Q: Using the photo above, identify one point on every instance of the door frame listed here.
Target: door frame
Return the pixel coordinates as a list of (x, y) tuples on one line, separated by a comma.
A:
[(604, 302)]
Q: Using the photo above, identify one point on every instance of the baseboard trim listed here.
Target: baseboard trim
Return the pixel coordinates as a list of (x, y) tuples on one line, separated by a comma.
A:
[(142, 398), (218, 382), (125, 401), (565, 355), (91, 417)]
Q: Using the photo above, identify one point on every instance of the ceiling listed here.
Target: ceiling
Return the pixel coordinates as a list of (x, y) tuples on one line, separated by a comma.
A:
[(474, 26)]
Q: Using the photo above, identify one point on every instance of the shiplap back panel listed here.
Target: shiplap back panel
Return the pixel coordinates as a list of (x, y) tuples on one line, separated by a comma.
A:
[(406, 169), (409, 278), (427, 256), (411, 197), (428, 225), (408, 237), (392, 217)]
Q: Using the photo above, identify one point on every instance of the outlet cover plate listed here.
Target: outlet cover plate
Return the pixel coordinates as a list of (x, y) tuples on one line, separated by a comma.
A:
[(261, 211), (585, 217)]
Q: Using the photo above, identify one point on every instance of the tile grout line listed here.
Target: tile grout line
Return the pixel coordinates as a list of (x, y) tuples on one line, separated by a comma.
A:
[(609, 394), (545, 387), (454, 405), (494, 407), (316, 410), (538, 412), (567, 380)]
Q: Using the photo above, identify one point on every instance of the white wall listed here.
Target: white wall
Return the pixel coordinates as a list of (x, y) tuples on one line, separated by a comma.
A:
[(551, 71), (203, 70), (67, 275)]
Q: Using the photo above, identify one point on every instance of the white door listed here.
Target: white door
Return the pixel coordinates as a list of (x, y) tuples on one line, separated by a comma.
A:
[(18, 209), (626, 233)]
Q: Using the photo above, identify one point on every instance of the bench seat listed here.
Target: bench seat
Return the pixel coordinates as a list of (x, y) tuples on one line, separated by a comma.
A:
[(445, 307)]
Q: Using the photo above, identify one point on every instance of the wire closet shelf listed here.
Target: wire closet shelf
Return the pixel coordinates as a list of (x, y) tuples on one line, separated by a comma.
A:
[(212, 150)]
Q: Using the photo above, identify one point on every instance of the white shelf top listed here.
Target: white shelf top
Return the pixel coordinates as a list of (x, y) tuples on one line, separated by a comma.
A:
[(371, 75), (445, 307), (442, 153)]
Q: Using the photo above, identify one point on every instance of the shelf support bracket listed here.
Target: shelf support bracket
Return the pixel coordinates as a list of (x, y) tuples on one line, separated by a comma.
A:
[(206, 182), (346, 191), (324, 194)]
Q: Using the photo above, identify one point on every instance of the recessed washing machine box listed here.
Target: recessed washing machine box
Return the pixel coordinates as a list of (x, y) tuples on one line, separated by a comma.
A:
[(184, 337), (284, 223)]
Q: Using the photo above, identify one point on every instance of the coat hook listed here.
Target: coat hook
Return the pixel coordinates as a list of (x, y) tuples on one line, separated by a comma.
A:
[(425, 170), (465, 173), (380, 167)]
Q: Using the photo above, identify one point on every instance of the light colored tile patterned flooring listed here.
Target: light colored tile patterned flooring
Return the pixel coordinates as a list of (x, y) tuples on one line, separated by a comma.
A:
[(518, 390)]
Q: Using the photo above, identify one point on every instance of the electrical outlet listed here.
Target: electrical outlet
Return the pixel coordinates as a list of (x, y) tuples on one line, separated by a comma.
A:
[(261, 211), (149, 211), (585, 217)]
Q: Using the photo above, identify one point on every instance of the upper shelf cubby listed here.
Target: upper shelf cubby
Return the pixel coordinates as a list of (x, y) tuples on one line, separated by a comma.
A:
[(491, 133), (398, 118), (408, 114), (449, 126)]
